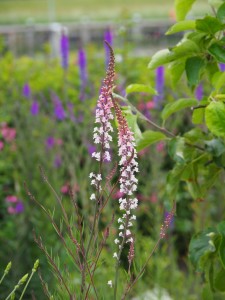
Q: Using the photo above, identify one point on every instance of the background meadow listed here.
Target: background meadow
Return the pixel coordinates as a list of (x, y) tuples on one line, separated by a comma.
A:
[(47, 118)]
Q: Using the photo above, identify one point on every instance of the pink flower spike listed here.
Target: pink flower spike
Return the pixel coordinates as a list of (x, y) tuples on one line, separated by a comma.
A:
[(103, 113)]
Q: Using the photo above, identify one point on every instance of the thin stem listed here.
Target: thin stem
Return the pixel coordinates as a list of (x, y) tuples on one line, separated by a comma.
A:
[(132, 283), (28, 281), (118, 257), (143, 117), (3, 276)]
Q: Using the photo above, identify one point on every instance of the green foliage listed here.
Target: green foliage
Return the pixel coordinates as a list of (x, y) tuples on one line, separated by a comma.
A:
[(182, 8)]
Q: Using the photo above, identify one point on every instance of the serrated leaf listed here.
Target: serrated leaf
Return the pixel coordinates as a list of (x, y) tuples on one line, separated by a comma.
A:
[(181, 26), (215, 118), (209, 24), (201, 248), (149, 137), (217, 51), (182, 7), (221, 12), (221, 230), (171, 108), (140, 88), (193, 68)]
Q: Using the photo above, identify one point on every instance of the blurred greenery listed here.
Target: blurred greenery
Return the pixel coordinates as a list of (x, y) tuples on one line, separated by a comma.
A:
[(22, 11)]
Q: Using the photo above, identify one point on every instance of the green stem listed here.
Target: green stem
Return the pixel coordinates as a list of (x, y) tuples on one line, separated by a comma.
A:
[(118, 257), (143, 117), (28, 281)]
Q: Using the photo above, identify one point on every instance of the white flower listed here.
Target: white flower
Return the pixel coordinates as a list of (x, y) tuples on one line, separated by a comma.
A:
[(116, 241), (92, 197), (91, 175), (110, 283), (115, 255)]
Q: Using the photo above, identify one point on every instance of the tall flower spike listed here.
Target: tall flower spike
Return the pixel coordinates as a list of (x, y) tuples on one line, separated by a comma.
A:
[(102, 132), (128, 168)]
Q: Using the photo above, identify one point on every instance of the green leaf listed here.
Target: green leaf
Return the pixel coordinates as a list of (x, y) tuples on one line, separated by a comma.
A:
[(176, 70), (207, 293), (215, 118), (171, 108), (140, 88), (198, 116), (221, 230), (215, 147), (221, 12), (193, 68), (202, 248), (186, 48), (217, 51), (173, 180), (220, 280), (132, 123), (181, 26), (219, 80), (182, 7), (179, 151), (161, 57), (149, 137), (209, 24)]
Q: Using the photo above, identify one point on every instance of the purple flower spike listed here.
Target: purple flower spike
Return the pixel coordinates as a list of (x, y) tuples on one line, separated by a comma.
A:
[(58, 109), (19, 207), (82, 63), (199, 92), (50, 142), (26, 90), (159, 82), (222, 67), (34, 108), (57, 161), (64, 47), (108, 37)]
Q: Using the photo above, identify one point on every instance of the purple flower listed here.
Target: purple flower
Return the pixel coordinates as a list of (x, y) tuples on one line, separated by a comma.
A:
[(159, 86), (82, 63), (91, 149), (57, 161), (19, 208), (70, 107), (50, 142), (26, 90), (58, 108), (108, 37), (34, 108), (64, 47), (222, 67), (199, 92)]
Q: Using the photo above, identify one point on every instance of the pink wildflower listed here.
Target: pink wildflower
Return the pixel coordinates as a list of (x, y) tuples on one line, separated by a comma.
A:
[(128, 168), (11, 199), (102, 134), (8, 133)]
